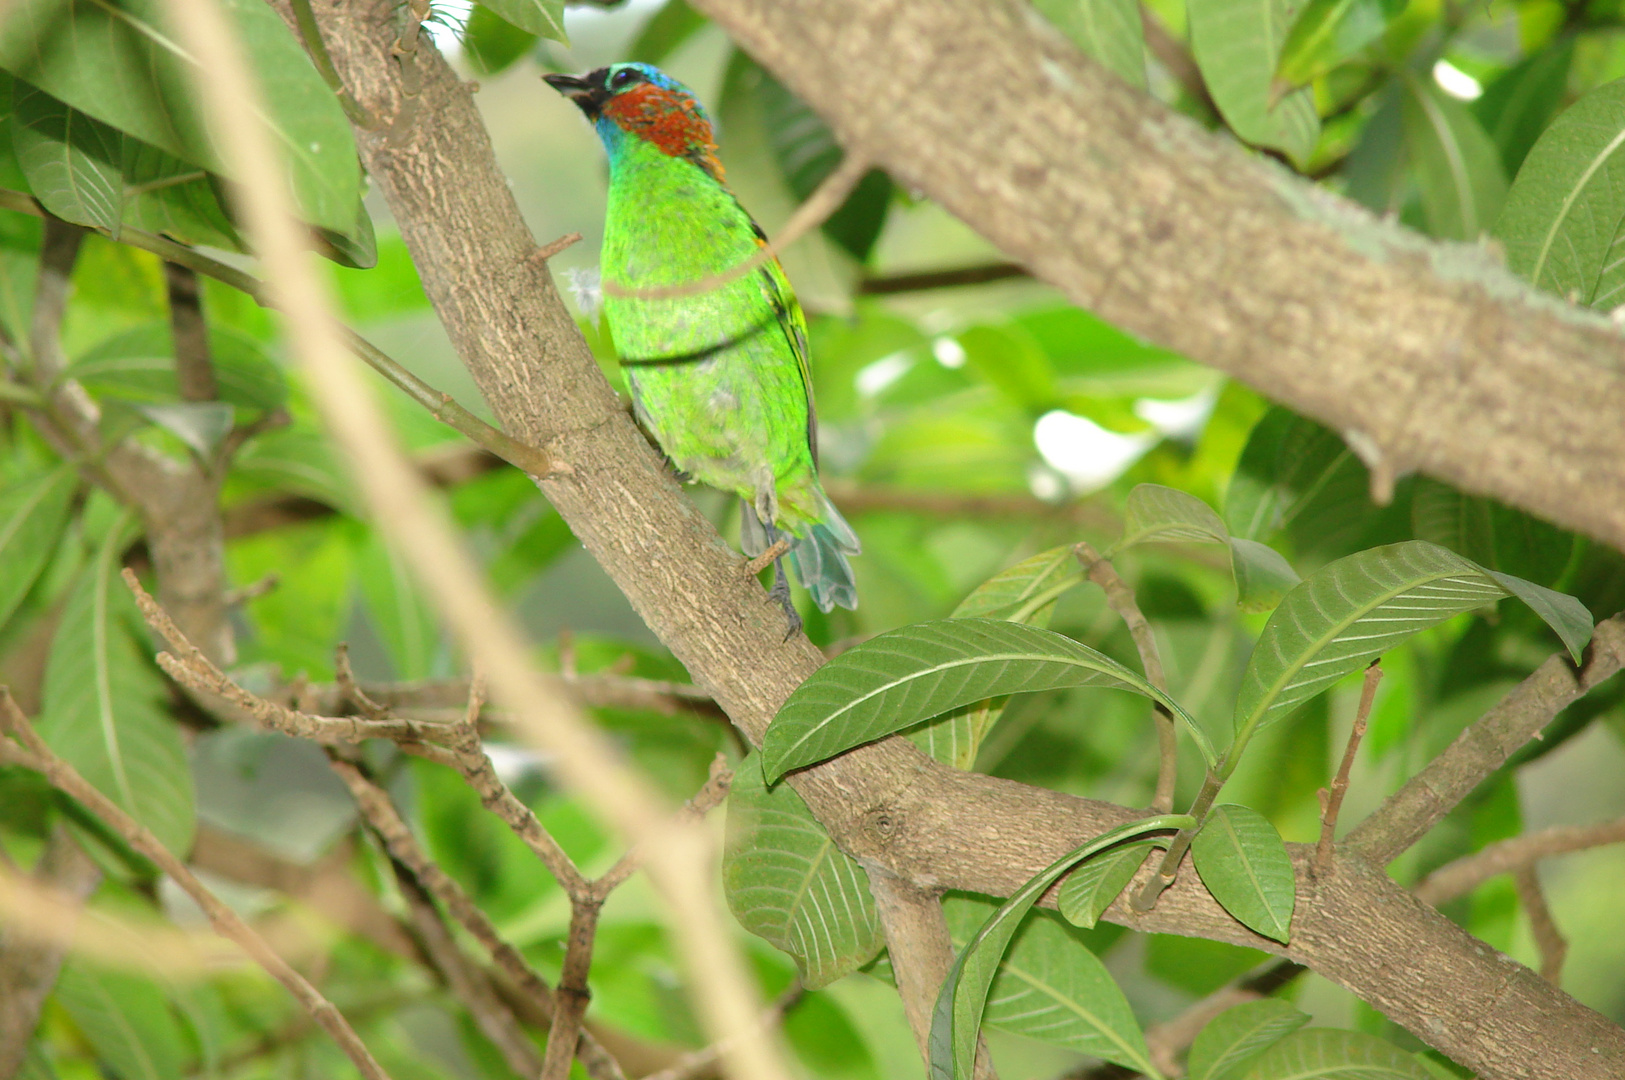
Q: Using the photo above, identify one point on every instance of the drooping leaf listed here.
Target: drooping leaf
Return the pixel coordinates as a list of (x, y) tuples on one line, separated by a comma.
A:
[(1243, 863), (787, 882), (957, 1017), (492, 43), (1262, 575), (1353, 610), (544, 18), (126, 1019), (1563, 219), (1518, 105), (118, 61), (1237, 44), (1157, 514), (33, 513), (1108, 32), (1024, 593), (1331, 1054), (1238, 1035), (1088, 891), (104, 707), (1567, 617), (1050, 986), (1457, 166), (916, 672)]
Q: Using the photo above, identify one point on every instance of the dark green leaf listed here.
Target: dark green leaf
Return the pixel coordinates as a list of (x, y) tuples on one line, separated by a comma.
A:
[(787, 881), (1494, 535), (33, 513), (1563, 217), (1262, 575), (105, 705), (911, 674), (1296, 477), (958, 1014), (119, 62), (1236, 1036), (1237, 44), (1329, 1054), (1522, 100), (1108, 32), (70, 160), (492, 43), (1457, 167), (1050, 986), (138, 365), (661, 36), (1564, 614), (1327, 33), (1089, 890), (1245, 866), (126, 1019), (544, 18)]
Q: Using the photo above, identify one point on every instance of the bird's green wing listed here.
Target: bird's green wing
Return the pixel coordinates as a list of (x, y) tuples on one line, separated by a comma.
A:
[(794, 324)]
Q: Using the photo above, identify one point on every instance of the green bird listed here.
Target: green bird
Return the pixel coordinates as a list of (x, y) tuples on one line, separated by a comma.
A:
[(717, 365)]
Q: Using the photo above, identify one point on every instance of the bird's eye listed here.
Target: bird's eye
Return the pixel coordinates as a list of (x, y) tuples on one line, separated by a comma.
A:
[(622, 79)]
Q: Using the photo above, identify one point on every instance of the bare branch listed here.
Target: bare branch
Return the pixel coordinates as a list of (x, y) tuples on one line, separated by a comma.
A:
[(940, 279), (1120, 598), (226, 922), (1331, 799), (1549, 940), (1467, 873), (194, 370)]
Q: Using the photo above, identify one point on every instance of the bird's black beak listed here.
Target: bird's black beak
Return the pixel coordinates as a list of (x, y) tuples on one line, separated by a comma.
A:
[(588, 93)]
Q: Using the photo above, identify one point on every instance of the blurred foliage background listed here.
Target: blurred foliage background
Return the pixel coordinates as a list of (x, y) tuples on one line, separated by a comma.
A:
[(969, 418)]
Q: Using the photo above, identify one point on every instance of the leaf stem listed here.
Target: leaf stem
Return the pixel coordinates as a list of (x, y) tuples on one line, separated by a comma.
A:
[(1146, 898)]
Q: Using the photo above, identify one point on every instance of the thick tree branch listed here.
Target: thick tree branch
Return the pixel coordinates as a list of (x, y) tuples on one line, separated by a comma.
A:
[(1430, 356), (887, 804)]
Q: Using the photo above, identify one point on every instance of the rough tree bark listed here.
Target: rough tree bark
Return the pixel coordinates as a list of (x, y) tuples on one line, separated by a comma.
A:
[(926, 825)]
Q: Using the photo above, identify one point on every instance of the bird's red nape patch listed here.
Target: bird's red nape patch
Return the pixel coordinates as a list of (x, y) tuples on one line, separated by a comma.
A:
[(670, 120)]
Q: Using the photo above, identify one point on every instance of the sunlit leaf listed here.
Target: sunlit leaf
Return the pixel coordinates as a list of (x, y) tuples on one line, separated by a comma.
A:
[(1237, 44), (1088, 891), (787, 882), (1330, 1054), (492, 43), (1262, 575), (1328, 32), (33, 513), (1156, 514), (1108, 32), (957, 1017), (544, 18), (911, 674), (1565, 214), (1243, 863), (1457, 167), (1236, 1036)]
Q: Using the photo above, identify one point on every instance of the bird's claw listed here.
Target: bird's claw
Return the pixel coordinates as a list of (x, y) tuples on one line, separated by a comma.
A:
[(781, 593)]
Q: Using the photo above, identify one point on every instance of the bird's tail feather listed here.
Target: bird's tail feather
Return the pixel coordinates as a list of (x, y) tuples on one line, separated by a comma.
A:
[(818, 559)]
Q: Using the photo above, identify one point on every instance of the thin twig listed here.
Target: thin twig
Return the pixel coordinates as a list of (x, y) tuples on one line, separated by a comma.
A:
[(548, 250), (226, 922), (766, 558), (891, 284), (194, 369), (1120, 598), (1467, 873), (1331, 799), (824, 201), (572, 996), (351, 691), (1549, 940)]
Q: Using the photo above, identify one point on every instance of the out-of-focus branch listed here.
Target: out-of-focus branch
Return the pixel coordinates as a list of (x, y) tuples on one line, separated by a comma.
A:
[(194, 370), (703, 1062), (1467, 873), (920, 281), (1120, 598), (35, 755), (1549, 940), (1407, 815)]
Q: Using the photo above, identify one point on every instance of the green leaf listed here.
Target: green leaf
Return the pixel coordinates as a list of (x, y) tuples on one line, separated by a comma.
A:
[(1024, 593), (1050, 986), (916, 672), (1327, 33), (806, 152), (1351, 611), (492, 43), (105, 703), (117, 61), (1089, 890), (1011, 360), (70, 160), (1496, 536), (138, 365), (33, 513), (958, 1013), (1567, 617), (1330, 1054), (201, 425), (663, 34), (1157, 514), (1457, 166), (1108, 31), (1236, 1036), (1297, 478), (403, 620), (1563, 218), (544, 18), (1518, 105), (1237, 44), (1244, 864), (787, 882), (126, 1019), (1262, 575)]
